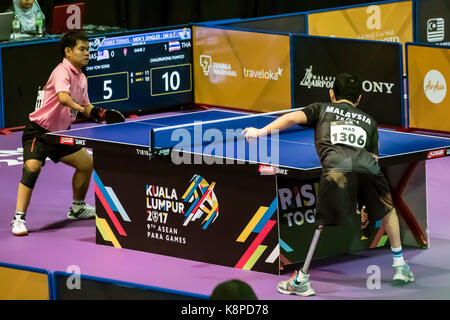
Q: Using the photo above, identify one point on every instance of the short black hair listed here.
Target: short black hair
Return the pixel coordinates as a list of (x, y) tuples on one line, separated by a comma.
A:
[(233, 290), (347, 86), (69, 40)]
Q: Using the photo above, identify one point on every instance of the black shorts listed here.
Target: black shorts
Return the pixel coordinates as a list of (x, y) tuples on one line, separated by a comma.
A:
[(341, 192), (36, 147)]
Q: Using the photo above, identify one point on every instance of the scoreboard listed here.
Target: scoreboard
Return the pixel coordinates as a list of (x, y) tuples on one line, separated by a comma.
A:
[(141, 72)]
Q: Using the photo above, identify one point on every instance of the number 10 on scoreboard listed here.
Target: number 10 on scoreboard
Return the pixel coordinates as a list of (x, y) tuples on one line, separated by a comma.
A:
[(170, 79)]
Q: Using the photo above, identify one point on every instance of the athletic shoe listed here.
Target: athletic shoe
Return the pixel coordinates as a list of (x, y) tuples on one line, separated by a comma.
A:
[(402, 274), (85, 212), (298, 284), (18, 226)]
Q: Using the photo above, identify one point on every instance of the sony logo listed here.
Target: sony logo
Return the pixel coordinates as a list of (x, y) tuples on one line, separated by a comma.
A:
[(374, 86)]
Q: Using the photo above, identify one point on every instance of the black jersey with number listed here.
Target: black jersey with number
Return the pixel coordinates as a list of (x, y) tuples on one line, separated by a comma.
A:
[(345, 137)]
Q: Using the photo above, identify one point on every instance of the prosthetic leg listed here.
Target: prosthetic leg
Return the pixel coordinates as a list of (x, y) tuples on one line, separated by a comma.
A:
[(311, 250), (299, 283)]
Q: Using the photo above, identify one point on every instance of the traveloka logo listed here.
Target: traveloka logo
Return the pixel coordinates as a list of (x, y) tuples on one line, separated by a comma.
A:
[(222, 69), (435, 86), (263, 74)]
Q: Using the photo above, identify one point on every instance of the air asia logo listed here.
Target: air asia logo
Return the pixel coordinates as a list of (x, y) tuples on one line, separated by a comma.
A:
[(435, 30), (221, 69), (436, 154), (435, 86), (263, 74), (66, 140), (325, 81), (203, 202)]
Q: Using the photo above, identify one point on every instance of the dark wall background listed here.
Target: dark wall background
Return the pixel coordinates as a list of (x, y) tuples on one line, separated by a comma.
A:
[(139, 14)]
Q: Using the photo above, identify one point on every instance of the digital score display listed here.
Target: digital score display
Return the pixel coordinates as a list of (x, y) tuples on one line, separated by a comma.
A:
[(141, 72)]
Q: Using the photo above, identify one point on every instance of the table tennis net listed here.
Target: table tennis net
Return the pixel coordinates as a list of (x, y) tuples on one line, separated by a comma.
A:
[(201, 132)]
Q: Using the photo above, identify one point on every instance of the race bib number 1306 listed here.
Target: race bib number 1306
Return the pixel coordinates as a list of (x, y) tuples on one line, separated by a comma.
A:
[(348, 134)]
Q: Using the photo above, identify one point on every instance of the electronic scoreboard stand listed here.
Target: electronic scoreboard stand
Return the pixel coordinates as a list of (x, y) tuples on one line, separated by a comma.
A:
[(141, 73)]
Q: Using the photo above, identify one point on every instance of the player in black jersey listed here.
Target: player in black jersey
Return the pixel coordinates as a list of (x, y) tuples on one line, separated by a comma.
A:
[(346, 141)]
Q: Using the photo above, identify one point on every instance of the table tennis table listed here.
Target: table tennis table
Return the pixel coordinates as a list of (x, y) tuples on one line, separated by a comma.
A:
[(233, 207)]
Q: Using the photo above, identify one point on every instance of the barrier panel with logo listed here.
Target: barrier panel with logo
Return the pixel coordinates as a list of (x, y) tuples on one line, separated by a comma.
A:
[(433, 22), (317, 60), (245, 216), (382, 21), (377, 21), (241, 69), (220, 214), (428, 75)]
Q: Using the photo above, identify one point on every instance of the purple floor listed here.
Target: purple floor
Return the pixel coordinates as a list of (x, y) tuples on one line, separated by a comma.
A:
[(55, 243)]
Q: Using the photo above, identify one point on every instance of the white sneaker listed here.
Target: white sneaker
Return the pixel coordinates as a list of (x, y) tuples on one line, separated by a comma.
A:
[(18, 226), (86, 212), (298, 284), (402, 275)]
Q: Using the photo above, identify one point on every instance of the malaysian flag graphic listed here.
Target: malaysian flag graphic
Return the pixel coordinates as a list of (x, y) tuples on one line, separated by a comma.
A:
[(174, 45)]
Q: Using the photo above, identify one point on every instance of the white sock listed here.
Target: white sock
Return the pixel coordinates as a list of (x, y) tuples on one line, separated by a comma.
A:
[(398, 256), (20, 214), (77, 205)]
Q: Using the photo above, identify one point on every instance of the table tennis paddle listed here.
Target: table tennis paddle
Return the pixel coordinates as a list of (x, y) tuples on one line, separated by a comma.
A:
[(114, 116)]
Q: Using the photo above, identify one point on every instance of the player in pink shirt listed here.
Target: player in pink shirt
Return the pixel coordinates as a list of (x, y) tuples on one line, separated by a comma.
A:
[(65, 94)]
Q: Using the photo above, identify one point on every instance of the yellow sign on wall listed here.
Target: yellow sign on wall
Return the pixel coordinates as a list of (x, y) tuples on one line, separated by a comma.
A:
[(381, 22), (428, 80), (240, 69)]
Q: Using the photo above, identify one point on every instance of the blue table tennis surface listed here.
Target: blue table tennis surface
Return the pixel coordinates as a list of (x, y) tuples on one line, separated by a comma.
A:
[(296, 147)]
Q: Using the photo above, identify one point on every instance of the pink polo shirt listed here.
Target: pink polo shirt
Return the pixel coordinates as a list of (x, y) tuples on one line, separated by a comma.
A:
[(54, 116)]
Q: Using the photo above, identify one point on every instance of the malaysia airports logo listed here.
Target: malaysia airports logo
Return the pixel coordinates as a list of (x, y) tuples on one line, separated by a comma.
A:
[(317, 81), (435, 86), (435, 30), (217, 68), (311, 80)]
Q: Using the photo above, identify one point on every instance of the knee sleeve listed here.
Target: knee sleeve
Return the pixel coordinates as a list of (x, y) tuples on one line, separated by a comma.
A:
[(29, 178)]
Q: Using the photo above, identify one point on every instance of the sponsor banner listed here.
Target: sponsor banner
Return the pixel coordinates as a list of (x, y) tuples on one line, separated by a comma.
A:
[(240, 69), (428, 81), (314, 73), (433, 22), (381, 22), (391, 22), (187, 211)]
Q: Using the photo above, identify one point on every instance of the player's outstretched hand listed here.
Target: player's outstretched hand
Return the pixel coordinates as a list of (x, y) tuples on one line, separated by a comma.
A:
[(250, 133)]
